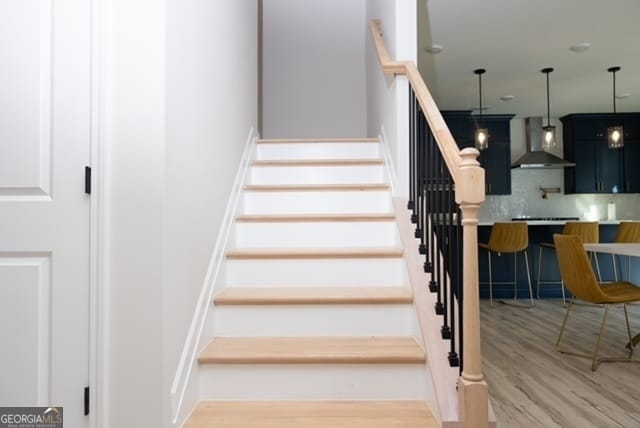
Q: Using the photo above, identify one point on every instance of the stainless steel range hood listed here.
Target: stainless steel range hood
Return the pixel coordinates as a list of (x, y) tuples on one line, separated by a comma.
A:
[(535, 157)]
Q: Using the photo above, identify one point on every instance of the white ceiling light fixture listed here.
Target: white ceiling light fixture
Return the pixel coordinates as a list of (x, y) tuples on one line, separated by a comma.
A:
[(434, 49), (580, 47), (507, 97), (622, 96)]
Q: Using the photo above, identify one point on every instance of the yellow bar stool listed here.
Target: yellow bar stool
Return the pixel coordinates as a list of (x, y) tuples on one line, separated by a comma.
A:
[(509, 238), (628, 233), (587, 231)]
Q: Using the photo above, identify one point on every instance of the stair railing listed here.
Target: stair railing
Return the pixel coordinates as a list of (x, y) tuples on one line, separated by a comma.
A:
[(446, 189)]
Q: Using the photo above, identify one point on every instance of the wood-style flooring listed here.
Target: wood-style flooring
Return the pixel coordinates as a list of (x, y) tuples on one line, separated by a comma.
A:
[(533, 385), (312, 414)]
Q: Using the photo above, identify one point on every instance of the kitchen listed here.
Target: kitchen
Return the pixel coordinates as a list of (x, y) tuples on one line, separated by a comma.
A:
[(528, 197), (530, 383), (539, 197), (512, 43)]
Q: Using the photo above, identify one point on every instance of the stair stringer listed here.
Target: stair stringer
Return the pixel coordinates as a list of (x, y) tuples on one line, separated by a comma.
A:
[(184, 392), (444, 378)]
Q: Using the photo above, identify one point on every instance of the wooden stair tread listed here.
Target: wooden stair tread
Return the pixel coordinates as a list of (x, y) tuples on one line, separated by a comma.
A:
[(309, 414), (314, 295), (316, 140), (315, 253), (319, 162), (312, 350), (315, 187), (330, 217)]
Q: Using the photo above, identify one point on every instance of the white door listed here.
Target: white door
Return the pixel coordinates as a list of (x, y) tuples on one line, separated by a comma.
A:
[(44, 212)]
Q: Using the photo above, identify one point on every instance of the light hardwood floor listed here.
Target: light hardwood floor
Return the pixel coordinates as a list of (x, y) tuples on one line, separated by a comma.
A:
[(310, 414), (533, 385)]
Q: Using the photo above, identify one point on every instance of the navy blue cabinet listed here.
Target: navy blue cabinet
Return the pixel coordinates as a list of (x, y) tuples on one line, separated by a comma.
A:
[(631, 153), (496, 160), (600, 169)]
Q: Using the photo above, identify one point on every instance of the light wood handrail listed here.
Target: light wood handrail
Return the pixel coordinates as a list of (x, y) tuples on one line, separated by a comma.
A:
[(438, 127), (473, 401), (388, 66)]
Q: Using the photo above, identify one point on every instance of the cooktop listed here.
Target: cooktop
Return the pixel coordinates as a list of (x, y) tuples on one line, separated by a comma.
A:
[(527, 218)]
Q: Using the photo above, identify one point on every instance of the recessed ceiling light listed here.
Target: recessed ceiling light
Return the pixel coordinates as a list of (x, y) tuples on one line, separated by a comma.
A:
[(507, 97), (580, 47), (434, 49), (622, 96)]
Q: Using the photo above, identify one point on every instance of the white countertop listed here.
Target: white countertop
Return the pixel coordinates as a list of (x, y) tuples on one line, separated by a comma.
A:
[(546, 222), (614, 248)]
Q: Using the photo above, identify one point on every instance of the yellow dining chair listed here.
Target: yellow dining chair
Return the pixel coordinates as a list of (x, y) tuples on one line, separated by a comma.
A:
[(508, 238), (628, 233), (578, 276), (588, 231)]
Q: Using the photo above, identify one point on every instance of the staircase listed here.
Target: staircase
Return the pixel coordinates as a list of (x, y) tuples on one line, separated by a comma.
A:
[(316, 325)]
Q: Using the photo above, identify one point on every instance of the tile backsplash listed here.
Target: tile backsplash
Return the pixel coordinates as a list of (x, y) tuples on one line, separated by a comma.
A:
[(526, 200), (526, 197)]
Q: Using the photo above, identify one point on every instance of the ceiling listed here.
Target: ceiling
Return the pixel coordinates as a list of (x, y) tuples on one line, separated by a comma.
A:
[(514, 39)]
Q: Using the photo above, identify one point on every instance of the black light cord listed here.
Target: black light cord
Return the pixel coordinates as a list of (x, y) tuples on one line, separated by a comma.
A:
[(547, 71), (479, 72), (548, 110), (614, 70)]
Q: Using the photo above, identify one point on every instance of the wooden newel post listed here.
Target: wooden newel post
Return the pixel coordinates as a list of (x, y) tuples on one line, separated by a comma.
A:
[(473, 391)]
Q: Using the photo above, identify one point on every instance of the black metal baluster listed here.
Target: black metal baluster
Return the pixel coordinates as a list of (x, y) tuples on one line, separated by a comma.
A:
[(440, 304), (419, 173), (444, 194), (425, 194), (432, 148), (460, 296), (453, 355), (438, 226), (412, 142)]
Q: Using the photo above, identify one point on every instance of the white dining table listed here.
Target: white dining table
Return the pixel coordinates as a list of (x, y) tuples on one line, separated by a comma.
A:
[(619, 249)]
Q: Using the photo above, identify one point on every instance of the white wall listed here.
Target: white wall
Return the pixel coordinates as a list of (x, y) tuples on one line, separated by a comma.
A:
[(211, 104), (184, 91), (314, 68), (137, 174), (388, 99)]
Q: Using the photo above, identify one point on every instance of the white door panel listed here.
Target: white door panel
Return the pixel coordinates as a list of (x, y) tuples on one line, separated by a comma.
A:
[(44, 213)]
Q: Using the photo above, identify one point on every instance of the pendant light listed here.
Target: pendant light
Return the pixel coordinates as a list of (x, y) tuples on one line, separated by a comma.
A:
[(615, 133), (481, 137), (548, 132)]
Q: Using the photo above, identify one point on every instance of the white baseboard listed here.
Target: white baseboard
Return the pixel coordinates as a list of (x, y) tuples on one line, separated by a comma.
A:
[(183, 379), (392, 174)]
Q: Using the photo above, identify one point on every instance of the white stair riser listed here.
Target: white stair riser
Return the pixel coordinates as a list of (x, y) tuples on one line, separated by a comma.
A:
[(317, 202), (315, 320), (313, 382), (318, 151), (316, 272), (317, 174), (316, 234)]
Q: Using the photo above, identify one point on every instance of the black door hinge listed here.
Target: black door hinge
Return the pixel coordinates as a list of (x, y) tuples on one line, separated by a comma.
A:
[(86, 400), (87, 180)]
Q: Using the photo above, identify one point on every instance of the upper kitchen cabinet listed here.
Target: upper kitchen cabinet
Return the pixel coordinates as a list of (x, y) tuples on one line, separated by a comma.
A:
[(600, 169), (496, 160), (631, 153), (459, 123)]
